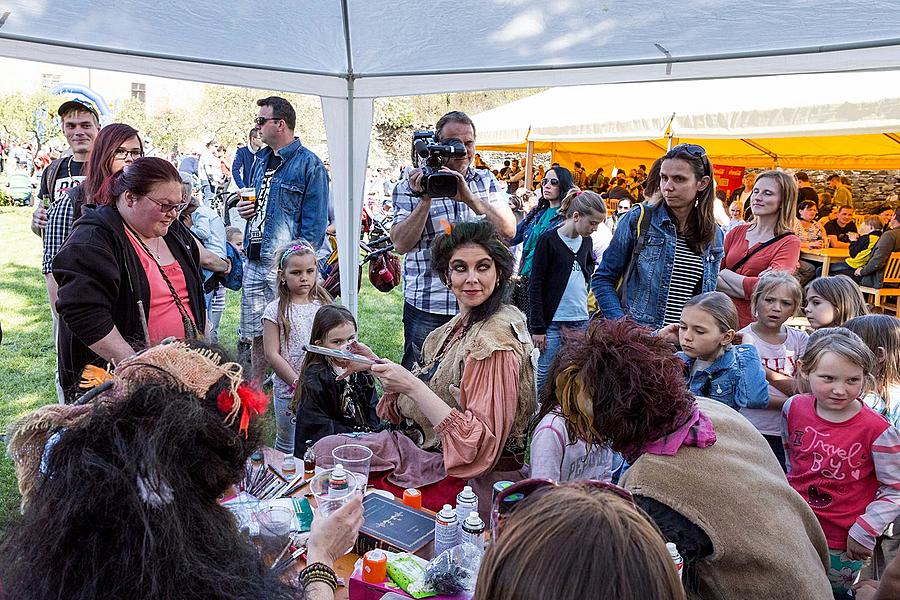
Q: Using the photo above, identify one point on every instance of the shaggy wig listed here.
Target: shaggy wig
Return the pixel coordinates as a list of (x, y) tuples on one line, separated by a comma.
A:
[(619, 386), (479, 233), (127, 506)]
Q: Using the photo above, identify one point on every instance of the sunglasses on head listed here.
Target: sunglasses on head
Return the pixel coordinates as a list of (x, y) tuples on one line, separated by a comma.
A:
[(511, 498), (691, 150), (551, 181)]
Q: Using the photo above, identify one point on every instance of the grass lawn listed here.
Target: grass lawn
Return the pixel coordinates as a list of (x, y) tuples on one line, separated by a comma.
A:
[(27, 354)]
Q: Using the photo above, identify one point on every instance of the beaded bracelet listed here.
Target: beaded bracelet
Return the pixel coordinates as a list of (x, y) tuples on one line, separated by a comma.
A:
[(319, 572)]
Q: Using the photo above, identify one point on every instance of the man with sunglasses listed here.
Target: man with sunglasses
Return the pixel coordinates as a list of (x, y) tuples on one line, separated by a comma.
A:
[(291, 203), (418, 219)]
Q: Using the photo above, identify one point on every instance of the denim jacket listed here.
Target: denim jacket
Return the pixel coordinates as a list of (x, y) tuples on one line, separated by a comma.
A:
[(648, 285), (297, 205), (736, 378)]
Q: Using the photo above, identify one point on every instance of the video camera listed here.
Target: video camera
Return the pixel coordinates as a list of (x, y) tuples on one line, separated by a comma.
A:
[(430, 156)]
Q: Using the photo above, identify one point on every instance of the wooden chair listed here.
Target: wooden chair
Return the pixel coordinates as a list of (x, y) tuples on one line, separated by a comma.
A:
[(892, 278)]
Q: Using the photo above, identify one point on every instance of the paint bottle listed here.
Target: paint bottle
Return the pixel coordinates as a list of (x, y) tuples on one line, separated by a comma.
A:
[(473, 531), (412, 498), (309, 460), (676, 558), (446, 530), (374, 568), (466, 502)]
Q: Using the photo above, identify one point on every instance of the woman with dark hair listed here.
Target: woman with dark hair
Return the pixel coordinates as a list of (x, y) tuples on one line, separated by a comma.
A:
[(120, 493), (554, 186), (767, 243), (564, 541), (700, 470), (474, 393), (667, 249), (129, 273)]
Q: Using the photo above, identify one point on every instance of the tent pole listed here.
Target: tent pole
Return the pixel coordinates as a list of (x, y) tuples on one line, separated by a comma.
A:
[(529, 165)]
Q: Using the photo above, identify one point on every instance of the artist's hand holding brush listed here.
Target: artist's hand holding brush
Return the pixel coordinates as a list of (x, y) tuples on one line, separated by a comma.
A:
[(330, 536)]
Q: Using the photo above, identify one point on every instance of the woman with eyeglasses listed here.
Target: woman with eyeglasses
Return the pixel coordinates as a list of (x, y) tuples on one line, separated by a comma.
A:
[(554, 187), (115, 147), (665, 250), (129, 273), (699, 469), (767, 243)]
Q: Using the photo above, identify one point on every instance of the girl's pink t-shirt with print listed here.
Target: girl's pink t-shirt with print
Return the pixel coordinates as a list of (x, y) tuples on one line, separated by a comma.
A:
[(165, 318), (840, 468)]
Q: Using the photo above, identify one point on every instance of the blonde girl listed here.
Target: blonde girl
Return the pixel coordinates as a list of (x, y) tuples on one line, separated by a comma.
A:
[(841, 454), (287, 323), (832, 301), (776, 298), (881, 333), (562, 266)]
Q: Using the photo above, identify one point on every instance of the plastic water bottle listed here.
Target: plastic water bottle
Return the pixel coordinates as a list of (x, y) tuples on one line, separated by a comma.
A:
[(466, 502), (473, 531), (446, 530), (676, 558)]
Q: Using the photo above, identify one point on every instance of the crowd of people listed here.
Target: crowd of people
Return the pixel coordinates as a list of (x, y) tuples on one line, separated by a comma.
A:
[(624, 348)]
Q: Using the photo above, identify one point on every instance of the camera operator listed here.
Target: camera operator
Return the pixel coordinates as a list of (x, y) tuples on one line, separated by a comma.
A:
[(428, 304)]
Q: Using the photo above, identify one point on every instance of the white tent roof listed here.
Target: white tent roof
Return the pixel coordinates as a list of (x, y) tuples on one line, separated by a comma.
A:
[(350, 51), (758, 107)]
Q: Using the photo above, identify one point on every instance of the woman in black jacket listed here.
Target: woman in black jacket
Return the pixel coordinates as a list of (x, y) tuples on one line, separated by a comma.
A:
[(563, 264), (128, 274)]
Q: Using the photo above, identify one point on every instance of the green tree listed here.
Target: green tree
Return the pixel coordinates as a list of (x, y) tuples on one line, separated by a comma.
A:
[(30, 118)]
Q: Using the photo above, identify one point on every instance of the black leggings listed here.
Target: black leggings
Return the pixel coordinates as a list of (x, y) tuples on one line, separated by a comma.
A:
[(777, 447)]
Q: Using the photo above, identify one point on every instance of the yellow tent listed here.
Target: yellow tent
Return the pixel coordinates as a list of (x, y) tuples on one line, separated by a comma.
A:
[(824, 121)]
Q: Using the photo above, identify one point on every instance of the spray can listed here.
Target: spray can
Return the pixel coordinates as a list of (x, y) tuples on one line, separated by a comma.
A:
[(676, 558), (466, 502), (446, 530), (499, 487), (473, 531), (338, 481)]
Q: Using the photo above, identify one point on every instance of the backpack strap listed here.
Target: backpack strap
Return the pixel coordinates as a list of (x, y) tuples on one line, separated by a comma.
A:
[(641, 228), (52, 176)]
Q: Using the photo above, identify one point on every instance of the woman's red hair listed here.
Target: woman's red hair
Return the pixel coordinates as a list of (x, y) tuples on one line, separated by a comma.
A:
[(107, 142)]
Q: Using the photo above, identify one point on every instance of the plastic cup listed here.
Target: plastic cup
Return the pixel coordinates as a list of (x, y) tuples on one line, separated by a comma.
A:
[(274, 531), (247, 194), (356, 459), (328, 499)]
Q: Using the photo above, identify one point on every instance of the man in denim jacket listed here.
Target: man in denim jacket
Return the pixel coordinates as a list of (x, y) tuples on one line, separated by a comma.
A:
[(291, 203), (648, 284)]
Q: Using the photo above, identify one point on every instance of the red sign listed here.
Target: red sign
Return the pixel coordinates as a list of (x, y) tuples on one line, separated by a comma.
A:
[(728, 178)]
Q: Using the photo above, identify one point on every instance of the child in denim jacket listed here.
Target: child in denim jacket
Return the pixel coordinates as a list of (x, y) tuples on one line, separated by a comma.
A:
[(714, 368)]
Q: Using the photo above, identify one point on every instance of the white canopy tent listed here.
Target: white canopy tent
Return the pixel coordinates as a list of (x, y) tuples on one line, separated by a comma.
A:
[(834, 120), (352, 51)]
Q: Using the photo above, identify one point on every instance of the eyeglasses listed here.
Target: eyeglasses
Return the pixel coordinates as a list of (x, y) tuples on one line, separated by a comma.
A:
[(509, 499), (165, 207), (122, 154), (551, 181), (260, 121)]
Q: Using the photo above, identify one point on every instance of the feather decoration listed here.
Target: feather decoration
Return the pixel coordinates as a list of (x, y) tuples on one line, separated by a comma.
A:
[(92, 376)]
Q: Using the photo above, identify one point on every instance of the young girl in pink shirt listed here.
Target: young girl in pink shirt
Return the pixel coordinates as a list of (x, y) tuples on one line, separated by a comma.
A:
[(842, 455)]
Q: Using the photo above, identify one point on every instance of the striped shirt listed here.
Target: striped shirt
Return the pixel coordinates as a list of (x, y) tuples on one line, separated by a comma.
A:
[(687, 274), (421, 286)]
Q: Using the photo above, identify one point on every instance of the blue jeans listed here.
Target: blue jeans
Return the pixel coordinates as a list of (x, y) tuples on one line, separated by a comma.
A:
[(417, 324), (555, 336)]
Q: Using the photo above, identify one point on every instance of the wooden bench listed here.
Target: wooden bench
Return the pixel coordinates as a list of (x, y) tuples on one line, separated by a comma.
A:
[(891, 277)]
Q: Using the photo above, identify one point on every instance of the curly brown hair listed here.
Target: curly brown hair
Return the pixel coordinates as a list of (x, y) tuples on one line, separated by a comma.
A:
[(629, 382)]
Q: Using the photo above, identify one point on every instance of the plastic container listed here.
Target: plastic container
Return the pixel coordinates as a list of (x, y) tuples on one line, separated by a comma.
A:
[(374, 569), (446, 530), (309, 460), (412, 498), (288, 466)]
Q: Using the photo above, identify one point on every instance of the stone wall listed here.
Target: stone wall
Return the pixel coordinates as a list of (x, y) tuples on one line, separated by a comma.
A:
[(870, 188)]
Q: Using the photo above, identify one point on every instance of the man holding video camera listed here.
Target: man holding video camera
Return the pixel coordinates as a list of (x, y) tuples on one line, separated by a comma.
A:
[(428, 304)]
